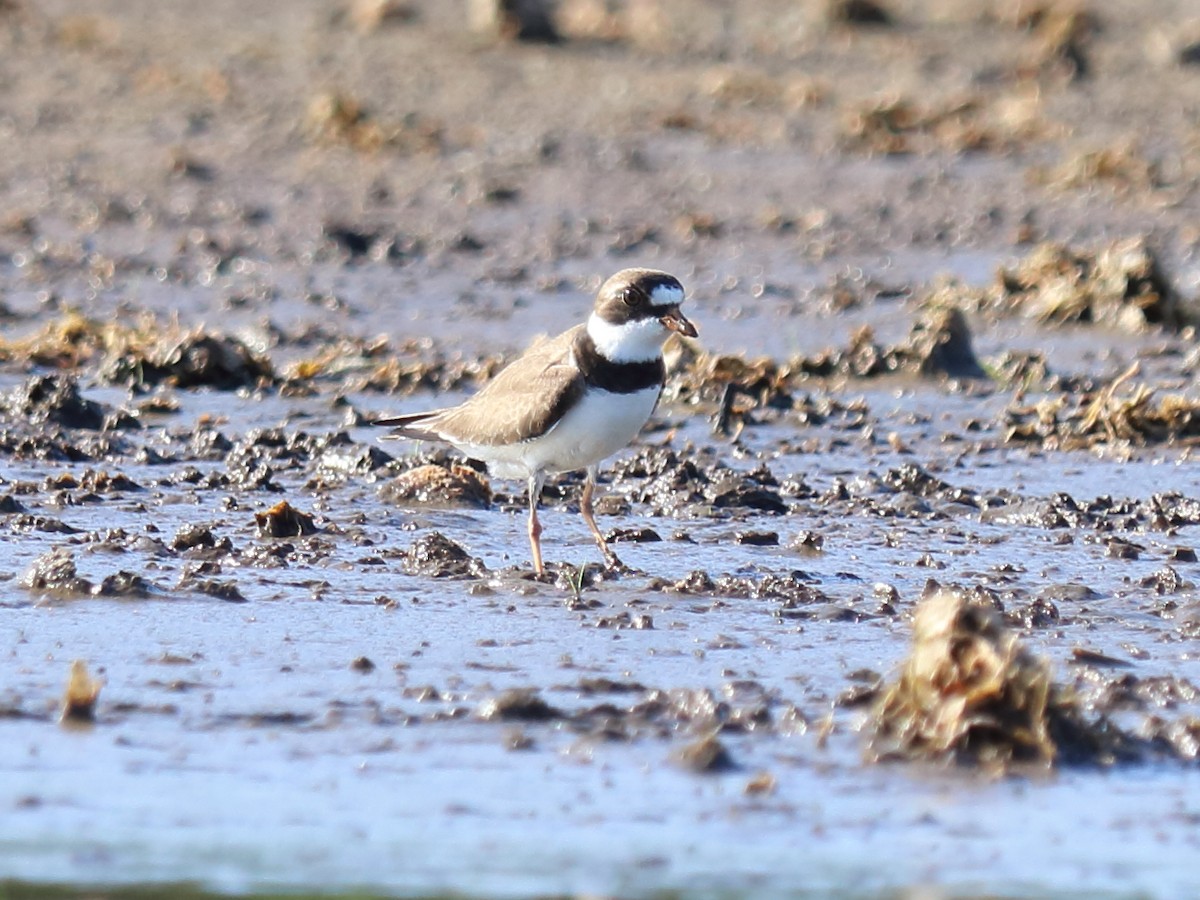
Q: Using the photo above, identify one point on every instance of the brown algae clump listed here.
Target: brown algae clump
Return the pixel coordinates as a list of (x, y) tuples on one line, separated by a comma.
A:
[(284, 520), (79, 702), (970, 693), (438, 486)]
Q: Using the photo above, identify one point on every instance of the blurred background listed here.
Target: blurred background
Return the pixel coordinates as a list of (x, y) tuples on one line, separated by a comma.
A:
[(757, 146)]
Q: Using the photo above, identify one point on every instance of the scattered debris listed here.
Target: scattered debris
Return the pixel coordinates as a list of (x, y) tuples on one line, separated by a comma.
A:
[(141, 355), (190, 536), (124, 584), (706, 756), (197, 359), (367, 366), (1121, 412), (761, 784), (642, 535)]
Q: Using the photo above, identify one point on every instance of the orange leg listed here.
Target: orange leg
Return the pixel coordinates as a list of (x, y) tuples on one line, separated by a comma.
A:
[(535, 527), (589, 516)]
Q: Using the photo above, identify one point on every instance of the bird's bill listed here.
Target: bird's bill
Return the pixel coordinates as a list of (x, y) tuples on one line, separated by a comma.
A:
[(676, 321)]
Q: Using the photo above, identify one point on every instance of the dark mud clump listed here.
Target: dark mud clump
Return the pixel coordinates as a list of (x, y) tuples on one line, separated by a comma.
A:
[(674, 483), (436, 556), (519, 705), (55, 400), (970, 693), (54, 573), (124, 584), (438, 486), (940, 344), (79, 701), (191, 536), (284, 520), (198, 359)]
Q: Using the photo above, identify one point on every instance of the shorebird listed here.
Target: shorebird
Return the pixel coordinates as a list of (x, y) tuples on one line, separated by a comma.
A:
[(569, 402)]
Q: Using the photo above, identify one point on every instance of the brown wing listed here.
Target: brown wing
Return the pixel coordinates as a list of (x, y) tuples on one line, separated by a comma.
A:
[(523, 401)]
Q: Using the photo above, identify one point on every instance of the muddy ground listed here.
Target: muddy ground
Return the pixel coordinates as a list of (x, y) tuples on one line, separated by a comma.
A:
[(942, 256)]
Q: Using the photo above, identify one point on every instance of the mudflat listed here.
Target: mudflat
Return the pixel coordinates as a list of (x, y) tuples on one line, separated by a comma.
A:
[(910, 542)]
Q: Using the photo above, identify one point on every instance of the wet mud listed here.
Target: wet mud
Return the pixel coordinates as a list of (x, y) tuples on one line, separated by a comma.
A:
[(909, 597)]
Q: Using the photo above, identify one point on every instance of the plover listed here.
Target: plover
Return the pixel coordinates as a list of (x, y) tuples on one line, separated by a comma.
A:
[(568, 402)]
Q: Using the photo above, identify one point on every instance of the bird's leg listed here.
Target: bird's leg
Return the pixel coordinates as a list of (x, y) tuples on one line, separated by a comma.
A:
[(585, 509), (536, 481)]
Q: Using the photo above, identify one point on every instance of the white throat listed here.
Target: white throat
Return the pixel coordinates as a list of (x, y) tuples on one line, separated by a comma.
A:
[(639, 340)]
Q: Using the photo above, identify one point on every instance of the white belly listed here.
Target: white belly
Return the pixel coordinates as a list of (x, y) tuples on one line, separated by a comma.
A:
[(598, 426)]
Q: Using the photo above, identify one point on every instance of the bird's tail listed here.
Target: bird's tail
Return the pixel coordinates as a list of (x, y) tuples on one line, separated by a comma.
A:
[(413, 426)]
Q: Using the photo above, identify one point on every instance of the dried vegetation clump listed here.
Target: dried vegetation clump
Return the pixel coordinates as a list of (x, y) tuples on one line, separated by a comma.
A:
[(1121, 285), (338, 118), (970, 693), (142, 354), (1119, 166), (1062, 35), (896, 126), (368, 16), (1121, 412)]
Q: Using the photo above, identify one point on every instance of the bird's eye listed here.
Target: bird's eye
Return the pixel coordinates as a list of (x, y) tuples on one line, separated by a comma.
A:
[(634, 299)]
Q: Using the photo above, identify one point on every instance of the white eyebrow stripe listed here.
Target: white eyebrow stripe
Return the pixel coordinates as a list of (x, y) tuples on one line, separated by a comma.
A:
[(666, 295)]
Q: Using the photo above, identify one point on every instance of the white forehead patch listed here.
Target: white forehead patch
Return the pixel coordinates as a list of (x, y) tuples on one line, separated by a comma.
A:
[(666, 295), (638, 340)]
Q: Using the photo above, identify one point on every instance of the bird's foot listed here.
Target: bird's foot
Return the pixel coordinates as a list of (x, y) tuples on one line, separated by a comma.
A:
[(542, 575), (613, 564)]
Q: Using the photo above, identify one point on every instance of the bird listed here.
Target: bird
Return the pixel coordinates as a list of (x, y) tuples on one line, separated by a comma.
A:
[(570, 401)]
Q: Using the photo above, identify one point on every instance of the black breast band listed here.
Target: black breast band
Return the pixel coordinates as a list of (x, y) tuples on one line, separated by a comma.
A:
[(616, 377)]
